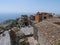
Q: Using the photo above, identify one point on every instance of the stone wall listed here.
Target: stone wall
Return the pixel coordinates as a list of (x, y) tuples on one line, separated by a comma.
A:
[(48, 33), (42, 16)]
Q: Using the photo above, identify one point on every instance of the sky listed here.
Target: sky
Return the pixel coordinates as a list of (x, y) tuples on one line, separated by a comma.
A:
[(11, 9), (29, 6)]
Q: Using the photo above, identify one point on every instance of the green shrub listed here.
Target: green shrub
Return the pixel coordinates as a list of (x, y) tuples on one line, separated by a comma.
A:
[(58, 43)]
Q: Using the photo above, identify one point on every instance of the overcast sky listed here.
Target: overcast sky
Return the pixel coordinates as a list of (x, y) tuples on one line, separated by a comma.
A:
[(16, 6)]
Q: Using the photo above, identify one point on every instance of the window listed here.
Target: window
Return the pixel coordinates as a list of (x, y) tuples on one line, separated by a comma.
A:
[(45, 18)]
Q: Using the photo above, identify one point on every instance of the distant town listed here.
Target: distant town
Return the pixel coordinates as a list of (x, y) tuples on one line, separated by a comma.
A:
[(41, 28)]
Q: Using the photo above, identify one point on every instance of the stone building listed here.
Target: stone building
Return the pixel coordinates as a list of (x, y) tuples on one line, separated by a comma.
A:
[(42, 16), (38, 17)]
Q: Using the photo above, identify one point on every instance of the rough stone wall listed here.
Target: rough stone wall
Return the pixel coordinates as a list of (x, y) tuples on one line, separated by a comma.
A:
[(54, 19), (41, 16), (48, 33), (38, 18)]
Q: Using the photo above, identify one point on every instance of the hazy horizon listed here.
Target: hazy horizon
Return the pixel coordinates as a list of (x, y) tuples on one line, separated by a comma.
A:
[(7, 16), (27, 6)]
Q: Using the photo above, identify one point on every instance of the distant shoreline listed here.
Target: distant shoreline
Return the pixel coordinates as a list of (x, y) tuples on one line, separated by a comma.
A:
[(4, 17)]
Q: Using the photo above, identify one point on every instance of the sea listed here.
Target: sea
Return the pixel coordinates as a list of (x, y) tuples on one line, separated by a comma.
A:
[(4, 17), (8, 16)]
